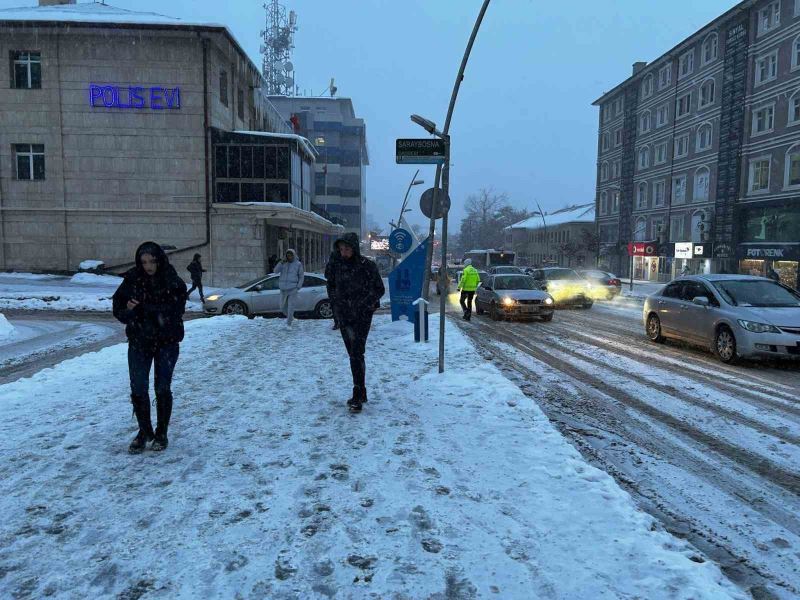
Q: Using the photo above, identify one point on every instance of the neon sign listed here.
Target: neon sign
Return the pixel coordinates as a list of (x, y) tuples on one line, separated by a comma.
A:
[(154, 98)]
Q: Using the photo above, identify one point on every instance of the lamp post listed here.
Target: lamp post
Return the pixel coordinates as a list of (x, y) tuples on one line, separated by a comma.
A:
[(414, 181), (443, 173)]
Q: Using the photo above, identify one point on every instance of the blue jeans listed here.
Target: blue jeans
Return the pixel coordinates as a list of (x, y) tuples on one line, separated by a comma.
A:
[(139, 361)]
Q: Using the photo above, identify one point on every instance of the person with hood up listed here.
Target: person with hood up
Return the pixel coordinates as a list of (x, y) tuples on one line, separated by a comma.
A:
[(355, 289), (151, 301), (196, 271), (467, 285), (289, 283)]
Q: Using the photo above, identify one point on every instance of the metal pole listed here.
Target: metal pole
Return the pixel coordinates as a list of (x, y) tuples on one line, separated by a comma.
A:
[(443, 297), (408, 191)]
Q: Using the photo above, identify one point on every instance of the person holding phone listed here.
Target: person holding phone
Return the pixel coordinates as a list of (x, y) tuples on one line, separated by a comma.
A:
[(151, 301)]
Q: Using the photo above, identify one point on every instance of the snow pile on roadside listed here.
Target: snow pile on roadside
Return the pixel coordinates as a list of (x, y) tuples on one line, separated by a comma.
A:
[(88, 265), (110, 281), (6, 328), (451, 486)]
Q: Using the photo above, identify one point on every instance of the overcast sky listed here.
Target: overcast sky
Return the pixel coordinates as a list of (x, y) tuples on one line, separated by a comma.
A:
[(523, 124)]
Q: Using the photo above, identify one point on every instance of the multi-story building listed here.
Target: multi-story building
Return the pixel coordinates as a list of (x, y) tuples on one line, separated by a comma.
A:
[(698, 151), (118, 127), (564, 237), (341, 141)]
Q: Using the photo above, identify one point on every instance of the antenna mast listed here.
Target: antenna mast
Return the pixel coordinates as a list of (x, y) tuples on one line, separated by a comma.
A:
[(278, 36)]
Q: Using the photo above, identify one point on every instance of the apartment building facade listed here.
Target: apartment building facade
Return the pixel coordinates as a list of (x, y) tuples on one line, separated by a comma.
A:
[(564, 238), (698, 154)]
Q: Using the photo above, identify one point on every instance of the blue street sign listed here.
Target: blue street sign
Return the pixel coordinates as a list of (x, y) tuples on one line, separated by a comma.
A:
[(405, 283), (400, 241)]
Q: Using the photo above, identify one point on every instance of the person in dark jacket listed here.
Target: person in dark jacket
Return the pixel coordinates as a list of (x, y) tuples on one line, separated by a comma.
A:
[(773, 274), (355, 289), (196, 271), (333, 257), (150, 301)]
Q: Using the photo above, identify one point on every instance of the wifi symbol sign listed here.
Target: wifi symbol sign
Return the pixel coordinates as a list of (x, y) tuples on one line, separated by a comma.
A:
[(399, 241)]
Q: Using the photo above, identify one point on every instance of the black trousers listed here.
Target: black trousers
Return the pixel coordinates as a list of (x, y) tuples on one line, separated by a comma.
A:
[(196, 285), (466, 302), (354, 334), (140, 360)]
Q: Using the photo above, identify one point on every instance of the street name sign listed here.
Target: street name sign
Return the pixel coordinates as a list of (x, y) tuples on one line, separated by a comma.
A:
[(427, 151)]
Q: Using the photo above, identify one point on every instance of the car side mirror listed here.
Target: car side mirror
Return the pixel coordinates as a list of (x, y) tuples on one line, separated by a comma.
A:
[(701, 301)]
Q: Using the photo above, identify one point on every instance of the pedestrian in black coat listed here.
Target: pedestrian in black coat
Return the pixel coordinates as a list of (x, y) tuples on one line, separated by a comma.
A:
[(355, 289), (196, 271), (151, 301)]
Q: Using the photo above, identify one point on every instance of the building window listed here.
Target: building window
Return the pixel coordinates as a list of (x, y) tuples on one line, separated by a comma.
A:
[(701, 181), (618, 137), (704, 136), (796, 52), (682, 146), (683, 105), (698, 226), (660, 153), (759, 175), (707, 93), (676, 226), (664, 76), (679, 189), (27, 70), (607, 112), (656, 227), (614, 202), (769, 17), (659, 193), (767, 68), (641, 196), (604, 172), (617, 107), (763, 120), (710, 48), (640, 230), (223, 87), (644, 158), (647, 86), (686, 64), (616, 169), (240, 103), (644, 122), (793, 167), (30, 161), (606, 141), (603, 203), (794, 108), (661, 115)]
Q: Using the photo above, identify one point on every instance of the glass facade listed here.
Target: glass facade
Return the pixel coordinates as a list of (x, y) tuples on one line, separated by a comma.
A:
[(771, 224)]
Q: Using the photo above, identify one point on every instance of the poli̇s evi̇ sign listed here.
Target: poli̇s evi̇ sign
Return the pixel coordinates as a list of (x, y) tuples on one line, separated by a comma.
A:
[(134, 97)]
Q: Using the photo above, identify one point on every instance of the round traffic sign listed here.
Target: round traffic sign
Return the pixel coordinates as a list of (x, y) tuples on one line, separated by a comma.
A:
[(400, 241), (426, 203)]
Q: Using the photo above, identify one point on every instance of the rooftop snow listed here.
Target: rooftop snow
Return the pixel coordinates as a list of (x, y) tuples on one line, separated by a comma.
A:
[(286, 136), (572, 214), (93, 13)]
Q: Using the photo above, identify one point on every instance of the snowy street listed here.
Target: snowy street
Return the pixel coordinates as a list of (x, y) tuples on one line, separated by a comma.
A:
[(444, 487)]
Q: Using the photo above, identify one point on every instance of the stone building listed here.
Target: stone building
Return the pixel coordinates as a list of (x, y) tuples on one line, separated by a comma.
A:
[(564, 238), (698, 151), (119, 126)]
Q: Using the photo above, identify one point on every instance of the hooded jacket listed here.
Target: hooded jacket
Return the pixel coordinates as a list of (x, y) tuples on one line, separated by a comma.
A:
[(158, 319), (196, 270), (355, 286), (291, 273)]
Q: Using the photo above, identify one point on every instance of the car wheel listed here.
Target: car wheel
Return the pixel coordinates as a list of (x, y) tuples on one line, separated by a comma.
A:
[(725, 345), (235, 307), (478, 308), (654, 329), (323, 310), (494, 314), (547, 318)]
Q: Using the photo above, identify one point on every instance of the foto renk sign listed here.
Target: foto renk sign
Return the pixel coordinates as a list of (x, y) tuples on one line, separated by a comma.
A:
[(134, 97)]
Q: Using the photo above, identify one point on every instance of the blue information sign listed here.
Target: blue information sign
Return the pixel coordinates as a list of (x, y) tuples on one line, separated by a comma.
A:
[(405, 283), (400, 241)]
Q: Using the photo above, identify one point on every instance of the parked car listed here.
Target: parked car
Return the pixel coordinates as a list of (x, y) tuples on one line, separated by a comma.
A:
[(736, 316), (603, 285), (565, 286), (506, 270), (510, 296), (262, 297)]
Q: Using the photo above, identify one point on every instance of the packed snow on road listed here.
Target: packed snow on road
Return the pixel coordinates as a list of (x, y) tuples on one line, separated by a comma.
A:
[(453, 486)]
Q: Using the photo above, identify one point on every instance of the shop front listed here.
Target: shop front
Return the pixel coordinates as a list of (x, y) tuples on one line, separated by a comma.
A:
[(649, 264), (759, 258), (692, 259)]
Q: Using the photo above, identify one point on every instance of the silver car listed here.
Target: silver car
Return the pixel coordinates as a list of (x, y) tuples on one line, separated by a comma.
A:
[(736, 316), (509, 296), (262, 297)]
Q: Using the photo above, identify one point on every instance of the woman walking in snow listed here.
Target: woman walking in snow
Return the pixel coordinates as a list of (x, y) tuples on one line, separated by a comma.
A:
[(290, 281), (150, 302)]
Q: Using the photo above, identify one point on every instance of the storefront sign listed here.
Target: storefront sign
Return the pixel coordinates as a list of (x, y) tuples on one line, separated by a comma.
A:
[(642, 249), (722, 251), (140, 98), (769, 251), (684, 250), (701, 250)]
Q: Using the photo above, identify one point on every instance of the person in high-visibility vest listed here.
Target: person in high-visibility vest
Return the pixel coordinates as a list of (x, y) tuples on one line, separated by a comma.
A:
[(470, 280)]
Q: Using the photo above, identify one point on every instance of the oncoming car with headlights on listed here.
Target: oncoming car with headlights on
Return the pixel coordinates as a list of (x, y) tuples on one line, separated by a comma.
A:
[(513, 296), (565, 286)]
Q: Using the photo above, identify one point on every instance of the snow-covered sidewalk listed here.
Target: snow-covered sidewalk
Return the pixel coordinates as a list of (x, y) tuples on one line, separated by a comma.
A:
[(451, 486)]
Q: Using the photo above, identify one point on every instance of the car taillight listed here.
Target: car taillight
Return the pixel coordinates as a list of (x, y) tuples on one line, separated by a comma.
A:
[(614, 282)]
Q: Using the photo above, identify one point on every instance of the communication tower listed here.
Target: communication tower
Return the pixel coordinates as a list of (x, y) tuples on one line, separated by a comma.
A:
[(278, 36)]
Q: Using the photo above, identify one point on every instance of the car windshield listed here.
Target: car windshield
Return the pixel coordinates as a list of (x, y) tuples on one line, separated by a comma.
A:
[(561, 274), (757, 292), (594, 274), (244, 286), (504, 270), (515, 282)]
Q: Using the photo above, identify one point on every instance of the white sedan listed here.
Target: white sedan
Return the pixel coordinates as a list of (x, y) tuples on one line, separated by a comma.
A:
[(262, 297)]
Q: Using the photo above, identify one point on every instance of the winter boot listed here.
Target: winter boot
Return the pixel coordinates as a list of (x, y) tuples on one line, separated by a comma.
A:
[(354, 404), (141, 408), (163, 411)]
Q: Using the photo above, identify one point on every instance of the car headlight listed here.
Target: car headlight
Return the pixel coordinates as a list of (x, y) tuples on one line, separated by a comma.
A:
[(214, 297), (758, 327), (509, 302), (548, 300)]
